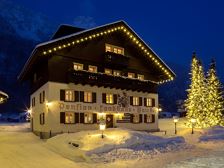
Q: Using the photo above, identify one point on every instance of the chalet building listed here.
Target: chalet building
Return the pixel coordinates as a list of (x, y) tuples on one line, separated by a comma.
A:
[(81, 77)]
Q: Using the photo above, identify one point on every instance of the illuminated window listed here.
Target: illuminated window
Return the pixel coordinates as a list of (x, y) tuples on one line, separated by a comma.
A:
[(88, 118), (108, 48), (109, 98), (69, 95), (114, 49), (135, 118), (117, 73), (149, 118), (149, 102), (69, 118), (88, 97), (135, 101), (92, 68), (108, 71), (131, 75), (140, 77), (78, 66)]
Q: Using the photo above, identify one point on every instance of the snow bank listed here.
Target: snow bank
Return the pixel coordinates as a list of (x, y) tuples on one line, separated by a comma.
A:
[(116, 144), (212, 134)]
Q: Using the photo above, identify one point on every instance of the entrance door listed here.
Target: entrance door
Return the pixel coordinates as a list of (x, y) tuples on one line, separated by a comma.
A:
[(109, 121)]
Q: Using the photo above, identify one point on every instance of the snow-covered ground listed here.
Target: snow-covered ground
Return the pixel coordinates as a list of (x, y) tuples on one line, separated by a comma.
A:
[(119, 148)]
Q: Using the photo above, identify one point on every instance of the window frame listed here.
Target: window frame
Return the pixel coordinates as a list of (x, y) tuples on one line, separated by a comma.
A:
[(92, 66), (78, 65), (109, 98), (113, 48), (136, 101), (71, 118), (71, 97), (88, 97)]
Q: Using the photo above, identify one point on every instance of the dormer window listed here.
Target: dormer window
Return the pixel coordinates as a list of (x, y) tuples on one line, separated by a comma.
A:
[(92, 68), (131, 75), (140, 77), (114, 49), (78, 66)]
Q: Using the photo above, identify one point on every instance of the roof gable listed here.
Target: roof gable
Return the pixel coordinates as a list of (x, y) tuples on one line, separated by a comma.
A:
[(75, 39)]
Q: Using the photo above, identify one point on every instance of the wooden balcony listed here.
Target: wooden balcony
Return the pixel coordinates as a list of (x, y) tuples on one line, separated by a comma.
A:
[(104, 80), (116, 59)]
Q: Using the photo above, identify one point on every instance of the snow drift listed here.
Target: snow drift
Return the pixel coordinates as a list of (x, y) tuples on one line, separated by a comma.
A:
[(117, 144)]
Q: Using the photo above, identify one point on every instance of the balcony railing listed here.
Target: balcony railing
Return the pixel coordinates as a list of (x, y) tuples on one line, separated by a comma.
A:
[(116, 59), (105, 80)]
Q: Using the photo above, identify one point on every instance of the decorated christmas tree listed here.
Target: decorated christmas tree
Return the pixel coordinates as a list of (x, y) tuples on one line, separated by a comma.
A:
[(215, 102), (197, 94)]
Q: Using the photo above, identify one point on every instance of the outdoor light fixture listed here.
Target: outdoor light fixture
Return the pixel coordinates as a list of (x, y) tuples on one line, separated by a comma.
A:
[(193, 121), (102, 128), (160, 109), (175, 120)]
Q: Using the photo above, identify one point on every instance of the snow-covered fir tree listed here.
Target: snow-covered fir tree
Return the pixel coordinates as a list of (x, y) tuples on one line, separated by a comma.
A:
[(196, 99), (215, 102)]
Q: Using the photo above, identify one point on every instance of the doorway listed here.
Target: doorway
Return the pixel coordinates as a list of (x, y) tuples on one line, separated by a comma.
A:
[(109, 121)]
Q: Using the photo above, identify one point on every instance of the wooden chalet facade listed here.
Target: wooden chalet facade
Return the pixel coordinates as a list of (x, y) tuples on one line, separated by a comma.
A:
[(82, 76)]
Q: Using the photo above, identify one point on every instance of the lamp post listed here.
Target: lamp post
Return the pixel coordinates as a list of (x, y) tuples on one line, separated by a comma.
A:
[(102, 128), (193, 121), (175, 120)]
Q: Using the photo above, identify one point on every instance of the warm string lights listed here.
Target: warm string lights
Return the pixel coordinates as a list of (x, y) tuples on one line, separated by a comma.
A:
[(111, 30)]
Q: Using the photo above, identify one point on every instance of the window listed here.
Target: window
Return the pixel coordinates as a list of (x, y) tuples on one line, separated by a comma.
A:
[(69, 95), (109, 99), (42, 119), (33, 102), (117, 73), (92, 68), (131, 75), (88, 97), (69, 118), (114, 49), (108, 48), (140, 77), (108, 71), (135, 101), (148, 102), (78, 66), (88, 118), (135, 118), (149, 118)]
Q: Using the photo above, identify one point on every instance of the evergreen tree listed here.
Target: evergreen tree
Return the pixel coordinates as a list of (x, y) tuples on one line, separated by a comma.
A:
[(196, 99), (215, 103)]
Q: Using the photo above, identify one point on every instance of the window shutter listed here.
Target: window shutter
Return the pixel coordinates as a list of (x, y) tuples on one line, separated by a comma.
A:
[(94, 97), (153, 118), (115, 98), (140, 118), (140, 101), (62, 95), (153, 102), (131, 100), (76, 117), (145, 118), (145, 102), (40, 98), (81, 117), (43, 96), (76, 96), (131, 118), (62, 117), (43, 118), (40, 119), (104, 97), (81, 96), (94, 118)]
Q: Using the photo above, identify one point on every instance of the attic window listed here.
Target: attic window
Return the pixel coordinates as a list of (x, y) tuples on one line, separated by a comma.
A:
[(114, 49)]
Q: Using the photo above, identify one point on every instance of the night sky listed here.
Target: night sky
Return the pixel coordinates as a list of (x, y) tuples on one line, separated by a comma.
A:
[(174, 28)]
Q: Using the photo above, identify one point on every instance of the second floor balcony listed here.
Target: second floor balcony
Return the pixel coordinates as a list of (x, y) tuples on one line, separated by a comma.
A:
[(105, 80)]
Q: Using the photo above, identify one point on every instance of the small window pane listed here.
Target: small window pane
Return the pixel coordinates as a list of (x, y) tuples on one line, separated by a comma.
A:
[(69, 118), (78, 66), (149, 102), (135, 101), (109, 99), (69, 95), (88, 97), (140, 77), (92, 68)]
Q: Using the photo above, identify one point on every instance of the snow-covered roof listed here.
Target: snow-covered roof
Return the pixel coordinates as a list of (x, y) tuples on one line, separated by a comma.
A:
[(40, 49)]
